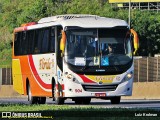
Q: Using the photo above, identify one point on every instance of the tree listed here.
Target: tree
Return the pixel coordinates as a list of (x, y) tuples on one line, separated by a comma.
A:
[(147, 25), (13, 13)]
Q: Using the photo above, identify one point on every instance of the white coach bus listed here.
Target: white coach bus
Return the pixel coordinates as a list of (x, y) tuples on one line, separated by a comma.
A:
[(74, 56)]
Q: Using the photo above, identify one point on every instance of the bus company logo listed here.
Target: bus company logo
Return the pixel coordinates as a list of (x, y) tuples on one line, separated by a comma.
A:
[(46, 63), (6, 114), (23, 115), (101, 78)]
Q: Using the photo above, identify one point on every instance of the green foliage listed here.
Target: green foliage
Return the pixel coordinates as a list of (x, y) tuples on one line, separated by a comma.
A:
[(13, 13), (5, 58), (147, 26)]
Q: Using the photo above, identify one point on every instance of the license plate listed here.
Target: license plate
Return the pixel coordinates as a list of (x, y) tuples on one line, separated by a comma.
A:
[(100, 94)]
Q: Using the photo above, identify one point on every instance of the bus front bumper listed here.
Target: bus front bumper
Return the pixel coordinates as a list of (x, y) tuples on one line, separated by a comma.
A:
[(76, 90)]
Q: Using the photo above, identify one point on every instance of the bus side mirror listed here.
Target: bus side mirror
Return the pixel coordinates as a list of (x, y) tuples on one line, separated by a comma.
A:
[(135, 40), (62, 42)]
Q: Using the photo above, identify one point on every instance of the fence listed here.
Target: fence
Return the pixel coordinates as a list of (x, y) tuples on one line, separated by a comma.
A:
[(145, 70), (6, 76)]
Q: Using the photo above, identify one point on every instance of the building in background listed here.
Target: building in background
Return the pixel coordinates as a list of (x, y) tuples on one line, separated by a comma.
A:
[(152, 5)]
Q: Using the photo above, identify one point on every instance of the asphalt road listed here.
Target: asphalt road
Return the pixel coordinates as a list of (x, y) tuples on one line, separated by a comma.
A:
[(153, 104)]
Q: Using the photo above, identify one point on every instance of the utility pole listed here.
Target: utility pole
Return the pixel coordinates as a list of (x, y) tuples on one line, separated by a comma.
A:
[(129, 14)]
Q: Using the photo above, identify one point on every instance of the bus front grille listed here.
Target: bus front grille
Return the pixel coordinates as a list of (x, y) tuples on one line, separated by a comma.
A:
[(99, 88)]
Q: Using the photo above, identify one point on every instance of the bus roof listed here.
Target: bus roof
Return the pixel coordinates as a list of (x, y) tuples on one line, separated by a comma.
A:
[(79, 20), (99, 22)]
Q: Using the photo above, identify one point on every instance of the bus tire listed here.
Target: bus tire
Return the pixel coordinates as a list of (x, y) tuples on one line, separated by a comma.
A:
[(115, 100), (41, 100), (31, 99), (58, 100)]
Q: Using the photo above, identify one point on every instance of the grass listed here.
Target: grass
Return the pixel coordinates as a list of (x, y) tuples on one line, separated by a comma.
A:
[(66, 112), (24, 107), (53, 107)]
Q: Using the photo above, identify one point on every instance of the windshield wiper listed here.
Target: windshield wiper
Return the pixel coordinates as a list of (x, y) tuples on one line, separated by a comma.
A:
[(115, 66), (84, 68)]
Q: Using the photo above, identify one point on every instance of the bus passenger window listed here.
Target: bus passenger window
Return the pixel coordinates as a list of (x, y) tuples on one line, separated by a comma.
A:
[(36, 50), (45, 41), (24, 43), (39, 40), (31, 41), (52, 41), (16, 44)]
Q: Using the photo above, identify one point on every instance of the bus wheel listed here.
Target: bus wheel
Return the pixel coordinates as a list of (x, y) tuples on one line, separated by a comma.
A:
[(31, 99), (115, 100), (58, 100), (41, 100)]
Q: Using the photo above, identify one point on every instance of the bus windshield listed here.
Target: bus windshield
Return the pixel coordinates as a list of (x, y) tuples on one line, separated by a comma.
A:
[(98, 47)]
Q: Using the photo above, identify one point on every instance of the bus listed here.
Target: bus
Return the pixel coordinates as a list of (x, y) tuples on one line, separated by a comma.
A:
[(74, 56)]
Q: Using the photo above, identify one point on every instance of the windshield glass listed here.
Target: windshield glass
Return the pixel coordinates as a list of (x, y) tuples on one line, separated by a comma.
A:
[(98, 47)]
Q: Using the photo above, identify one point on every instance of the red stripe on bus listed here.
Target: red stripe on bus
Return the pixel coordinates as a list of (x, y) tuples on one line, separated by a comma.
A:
[(62, 86), (86, 80), (47, 86), (25, 28)]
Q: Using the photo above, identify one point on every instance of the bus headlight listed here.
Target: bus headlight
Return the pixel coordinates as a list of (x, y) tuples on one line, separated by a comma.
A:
[(128, 76), (69, 76)]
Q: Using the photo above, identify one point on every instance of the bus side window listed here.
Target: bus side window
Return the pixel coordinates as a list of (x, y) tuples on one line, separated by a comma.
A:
[(38, 41), (52, 40), (24, 43), (18, 44), (45, 41), (31, 40), (21, 43)]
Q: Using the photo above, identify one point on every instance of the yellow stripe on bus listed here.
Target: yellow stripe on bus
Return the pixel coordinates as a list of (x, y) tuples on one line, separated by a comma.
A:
[(17, 76), (104, 79)]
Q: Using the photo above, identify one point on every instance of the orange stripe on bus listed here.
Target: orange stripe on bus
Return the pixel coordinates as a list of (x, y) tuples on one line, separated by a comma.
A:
[(47, 86)]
